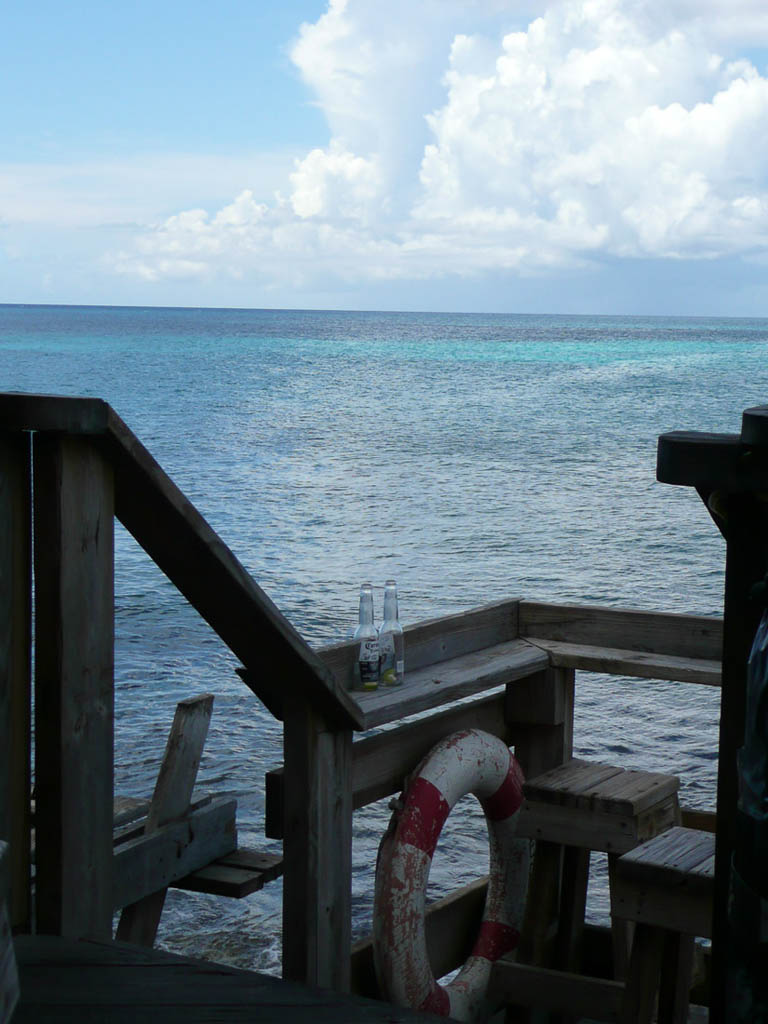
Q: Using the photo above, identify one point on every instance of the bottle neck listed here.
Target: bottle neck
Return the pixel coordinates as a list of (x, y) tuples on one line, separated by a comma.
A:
[(366, 605), (390, 607)]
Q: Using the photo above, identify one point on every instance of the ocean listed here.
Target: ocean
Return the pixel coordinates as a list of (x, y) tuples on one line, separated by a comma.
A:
[(470, 457)]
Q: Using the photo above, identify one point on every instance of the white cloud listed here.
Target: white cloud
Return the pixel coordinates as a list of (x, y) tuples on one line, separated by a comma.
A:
[(600, 127)]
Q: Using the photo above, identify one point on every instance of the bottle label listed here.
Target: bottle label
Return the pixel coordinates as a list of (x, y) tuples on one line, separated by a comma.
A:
[(369, 663)]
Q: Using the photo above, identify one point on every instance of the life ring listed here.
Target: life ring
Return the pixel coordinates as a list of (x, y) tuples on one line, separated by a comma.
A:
[(470, 761)]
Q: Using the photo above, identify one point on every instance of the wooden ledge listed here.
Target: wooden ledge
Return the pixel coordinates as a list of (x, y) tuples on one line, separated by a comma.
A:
[(451, 680), (237, 874), (640, 664)]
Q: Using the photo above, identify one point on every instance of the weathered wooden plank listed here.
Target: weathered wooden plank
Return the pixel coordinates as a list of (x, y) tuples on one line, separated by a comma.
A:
[(565, 783), (146, 863), (555, 991), (317, 850), (670, 858), (70, 982), (237, 874), (74, 688), (632, 792), (637, 664), (452, 680), (611, 833), (435, 640), (628, 630), (171, 530), (53, 413), (381, 763), (15, 667), (136, 827), (173, 790)]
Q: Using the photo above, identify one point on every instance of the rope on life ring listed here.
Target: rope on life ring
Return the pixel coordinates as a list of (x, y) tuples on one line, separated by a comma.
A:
[(470, 761)]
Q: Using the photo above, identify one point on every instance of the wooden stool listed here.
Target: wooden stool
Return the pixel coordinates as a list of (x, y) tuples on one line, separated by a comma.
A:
[(576, 808), (666, 886)]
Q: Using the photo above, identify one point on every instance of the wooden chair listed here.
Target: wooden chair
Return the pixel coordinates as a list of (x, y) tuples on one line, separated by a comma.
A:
[(666, 887), (570, 811)]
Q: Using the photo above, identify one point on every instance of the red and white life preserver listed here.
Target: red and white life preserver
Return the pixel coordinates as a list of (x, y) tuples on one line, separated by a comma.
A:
[(466, 762)]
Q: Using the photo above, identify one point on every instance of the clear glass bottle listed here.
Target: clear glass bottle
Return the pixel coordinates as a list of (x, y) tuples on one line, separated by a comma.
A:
[(391, 640), (368, 637)]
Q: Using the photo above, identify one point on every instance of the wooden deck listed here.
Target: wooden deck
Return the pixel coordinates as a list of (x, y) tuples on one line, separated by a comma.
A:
[(115, 983)]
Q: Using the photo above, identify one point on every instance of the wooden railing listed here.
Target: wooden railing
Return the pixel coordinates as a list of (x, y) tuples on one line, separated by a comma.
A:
[(516, 660)]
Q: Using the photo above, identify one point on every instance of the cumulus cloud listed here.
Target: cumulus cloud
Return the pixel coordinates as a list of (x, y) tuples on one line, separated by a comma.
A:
[(467, 137)]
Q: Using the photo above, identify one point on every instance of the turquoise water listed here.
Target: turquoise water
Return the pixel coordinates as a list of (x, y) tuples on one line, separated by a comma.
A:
[(470, 457)]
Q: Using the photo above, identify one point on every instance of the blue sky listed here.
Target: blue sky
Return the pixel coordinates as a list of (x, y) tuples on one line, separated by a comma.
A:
[(570, 156)]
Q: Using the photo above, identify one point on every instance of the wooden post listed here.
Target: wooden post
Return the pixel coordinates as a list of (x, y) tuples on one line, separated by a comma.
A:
[(540, 713), (74, 686), (730, 473), (317, 850), (176, 780), (15, 667), (745, 564)]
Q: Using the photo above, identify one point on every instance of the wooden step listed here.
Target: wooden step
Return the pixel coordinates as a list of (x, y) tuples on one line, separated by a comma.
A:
[(668, 882), (598, 807), (237, 874)]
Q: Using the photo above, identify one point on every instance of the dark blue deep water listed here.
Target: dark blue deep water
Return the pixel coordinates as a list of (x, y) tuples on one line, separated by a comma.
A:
[(470, 457)]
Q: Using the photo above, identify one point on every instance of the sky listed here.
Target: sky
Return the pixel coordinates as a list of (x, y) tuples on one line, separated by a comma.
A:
[(571, 156)]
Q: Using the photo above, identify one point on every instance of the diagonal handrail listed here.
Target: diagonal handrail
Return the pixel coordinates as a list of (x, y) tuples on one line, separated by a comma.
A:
[(279, 663)]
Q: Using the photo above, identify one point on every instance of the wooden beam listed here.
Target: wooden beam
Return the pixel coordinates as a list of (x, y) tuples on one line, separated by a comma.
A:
[(381, 763), (746, 564), (710, 462), (198, 562), (638, 664), (74, 686), (681, 636), (317, 850), (555, 991), (15, 668), (173, 790), (146, 863)]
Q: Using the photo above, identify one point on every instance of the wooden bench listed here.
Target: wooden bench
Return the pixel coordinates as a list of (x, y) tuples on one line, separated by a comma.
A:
[(665, 886), (173, 841)]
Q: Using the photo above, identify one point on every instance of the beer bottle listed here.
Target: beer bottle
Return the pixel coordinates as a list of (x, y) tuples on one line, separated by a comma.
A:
[(367, 636), (391, 640)]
